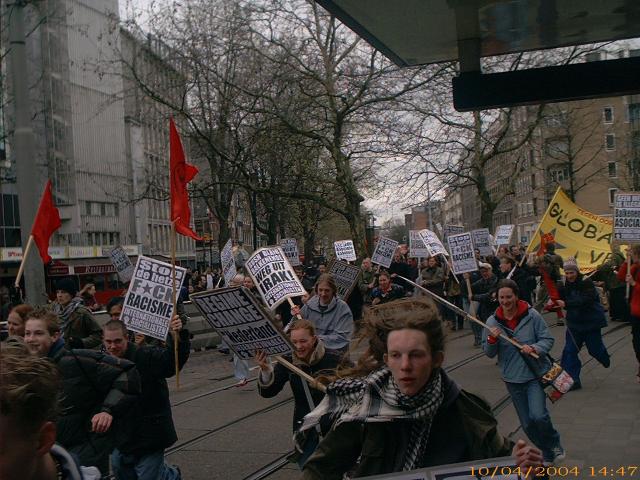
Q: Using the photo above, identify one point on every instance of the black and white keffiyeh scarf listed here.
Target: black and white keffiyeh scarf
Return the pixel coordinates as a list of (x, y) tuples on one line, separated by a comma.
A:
[(65, 312), (376, 398)]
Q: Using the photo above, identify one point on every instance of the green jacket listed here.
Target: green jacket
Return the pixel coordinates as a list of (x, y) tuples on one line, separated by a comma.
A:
[(83, 325), (464, 429), (607, 271)]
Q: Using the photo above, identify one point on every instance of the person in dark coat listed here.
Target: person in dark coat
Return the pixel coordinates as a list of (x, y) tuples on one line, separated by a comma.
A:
[(98, 391), (585, 319), (484, 292), (141, 453), (386, 291), (311, 357), (521, 275), (78, 327), (397, 410)]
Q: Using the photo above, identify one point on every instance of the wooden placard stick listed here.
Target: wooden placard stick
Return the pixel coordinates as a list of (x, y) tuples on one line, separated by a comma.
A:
[(24, 261), (460, 311), (174, 299), (302, 374)]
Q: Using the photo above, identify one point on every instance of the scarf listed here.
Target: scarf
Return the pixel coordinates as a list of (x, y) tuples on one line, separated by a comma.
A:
[(65, 312), (377, 398)]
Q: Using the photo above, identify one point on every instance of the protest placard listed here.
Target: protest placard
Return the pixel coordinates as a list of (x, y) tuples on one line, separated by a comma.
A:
[(228, 263), (452, 230), (383, 254), (241, 322), (345, 250), (148, 305), (482, 241), (503, 235), (462, 255), (273, 276), (433, 243), (501, 468), (290, 249), (346, 277), (122, 263), (626, 218), (417, 248)]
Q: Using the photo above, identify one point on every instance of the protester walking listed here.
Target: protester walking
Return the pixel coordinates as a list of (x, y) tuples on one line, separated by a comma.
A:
[(585, 319), (312, 358), (78, 327), (97, 391), (398, 410), (140, 453), (330, 315), (520, 371), (386, 291), (16, 318), (633, 278), (484, 292)]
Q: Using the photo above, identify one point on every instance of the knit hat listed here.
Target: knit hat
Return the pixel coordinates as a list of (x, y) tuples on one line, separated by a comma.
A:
[(571, 264), (482, 265), (67, 285)]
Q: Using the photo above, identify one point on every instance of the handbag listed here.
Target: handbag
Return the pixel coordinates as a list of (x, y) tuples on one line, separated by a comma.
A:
[(555, 380)]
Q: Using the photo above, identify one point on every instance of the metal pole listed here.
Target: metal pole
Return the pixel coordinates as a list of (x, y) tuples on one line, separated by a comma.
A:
[(23, 141)]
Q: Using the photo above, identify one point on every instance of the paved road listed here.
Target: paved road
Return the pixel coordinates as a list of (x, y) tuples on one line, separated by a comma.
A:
[(232, 432)]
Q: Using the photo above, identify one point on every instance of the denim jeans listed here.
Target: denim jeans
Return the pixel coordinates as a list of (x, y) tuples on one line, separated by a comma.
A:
[(530, 403), (146, 467), (573, 342)]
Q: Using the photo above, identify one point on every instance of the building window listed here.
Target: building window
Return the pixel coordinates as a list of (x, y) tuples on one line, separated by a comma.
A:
[(559, 173), (607, 113), (613, 169), (612, 195), (610, 142)]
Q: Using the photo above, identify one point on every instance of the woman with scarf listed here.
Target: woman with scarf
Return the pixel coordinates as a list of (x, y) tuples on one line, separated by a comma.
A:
[(386, 291), (311, 357), (397, 410), (518, 320), (79, 328)]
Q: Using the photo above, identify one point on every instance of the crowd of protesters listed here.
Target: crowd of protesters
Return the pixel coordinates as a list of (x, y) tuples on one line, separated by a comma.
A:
[(115, 415)]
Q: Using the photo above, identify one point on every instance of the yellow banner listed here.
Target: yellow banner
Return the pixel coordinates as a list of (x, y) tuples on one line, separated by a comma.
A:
[(576, 232)]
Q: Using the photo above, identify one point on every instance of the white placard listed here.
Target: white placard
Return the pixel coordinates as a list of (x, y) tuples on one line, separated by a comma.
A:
[(346, 277), (121, 262), (503, 235), (148, 306), (462, 256), (290, 249), (345, 250), (482, 241), (383, 254), (452, 230), (626, 218), (273, 276), (417, 248), (241, 322), (228, 263), (433, 243)]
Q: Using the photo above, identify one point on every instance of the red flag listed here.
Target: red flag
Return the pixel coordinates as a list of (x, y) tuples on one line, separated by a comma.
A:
[(181, 173), (46, 222)]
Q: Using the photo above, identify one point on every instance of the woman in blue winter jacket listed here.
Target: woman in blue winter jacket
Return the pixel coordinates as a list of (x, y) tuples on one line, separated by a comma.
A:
[(517, 319), (585, 319)]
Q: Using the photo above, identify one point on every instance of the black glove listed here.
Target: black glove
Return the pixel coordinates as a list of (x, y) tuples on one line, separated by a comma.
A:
[(75, 342)]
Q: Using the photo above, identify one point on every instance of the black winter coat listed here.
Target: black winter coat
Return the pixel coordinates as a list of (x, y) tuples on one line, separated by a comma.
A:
[(92, 382), (151, 422), (484, 292), (582, 303), (321, 362)]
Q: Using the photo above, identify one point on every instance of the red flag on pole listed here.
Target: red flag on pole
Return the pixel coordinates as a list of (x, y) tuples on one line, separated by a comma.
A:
[(46, 222), (181, 173)]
